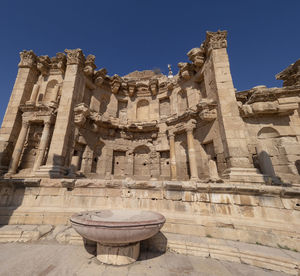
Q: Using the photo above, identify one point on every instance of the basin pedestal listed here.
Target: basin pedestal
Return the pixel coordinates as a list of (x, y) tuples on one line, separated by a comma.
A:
[(122, 254), (117, 232)]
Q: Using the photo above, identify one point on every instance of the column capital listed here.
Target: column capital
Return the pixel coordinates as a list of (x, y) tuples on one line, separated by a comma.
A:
[(25, 123), (171, 133), (191, 125), (215, 40), (75, 56), (28, 59)]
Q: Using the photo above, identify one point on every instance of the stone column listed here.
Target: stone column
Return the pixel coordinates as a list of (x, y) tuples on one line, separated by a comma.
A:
[(11, 125), (34, 93), (172, 156), (18, 148), (42, 147), (191, 151), (72, 86)]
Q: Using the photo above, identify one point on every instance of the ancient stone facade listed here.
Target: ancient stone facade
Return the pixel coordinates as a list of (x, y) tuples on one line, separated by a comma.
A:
[(67, 119), (216, 163)]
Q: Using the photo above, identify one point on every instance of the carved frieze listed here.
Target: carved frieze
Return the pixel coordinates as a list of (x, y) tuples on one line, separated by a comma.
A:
[(75, 56), (28, 59), (81, 112)]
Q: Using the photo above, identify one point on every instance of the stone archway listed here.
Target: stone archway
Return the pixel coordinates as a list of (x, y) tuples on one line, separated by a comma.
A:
[(141, 162)]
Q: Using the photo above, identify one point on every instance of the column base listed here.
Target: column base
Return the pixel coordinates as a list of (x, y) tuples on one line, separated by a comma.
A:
[(51, 171), (244, 175), (122, 254)]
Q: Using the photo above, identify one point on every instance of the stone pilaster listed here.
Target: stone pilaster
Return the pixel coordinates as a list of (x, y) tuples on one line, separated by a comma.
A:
[(64, 126), (191, 150), (13, 166), (34, 94), (42, 147), (11, 125), (172, 156)]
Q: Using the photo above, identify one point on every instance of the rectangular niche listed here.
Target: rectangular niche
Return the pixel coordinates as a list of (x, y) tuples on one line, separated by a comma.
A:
[(118, 168), (122, 110), (164, 107), (164, 163)]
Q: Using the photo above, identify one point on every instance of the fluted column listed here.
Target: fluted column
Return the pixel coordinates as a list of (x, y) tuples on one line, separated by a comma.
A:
[(18, 148), (42, 147), (172, 156), (191, 151), (34, 93)]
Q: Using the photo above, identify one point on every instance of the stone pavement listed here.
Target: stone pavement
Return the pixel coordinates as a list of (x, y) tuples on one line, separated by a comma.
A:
[(45, 258)]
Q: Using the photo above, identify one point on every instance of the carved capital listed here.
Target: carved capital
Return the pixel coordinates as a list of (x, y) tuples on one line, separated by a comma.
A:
[(185, 70), (89, 66), (197, 56), (28, 59), (115, 83), (131, 88), (100, 76), (153, 86), (43, 64), (75, 56), (191, 125), (59, 62), (215, 40)]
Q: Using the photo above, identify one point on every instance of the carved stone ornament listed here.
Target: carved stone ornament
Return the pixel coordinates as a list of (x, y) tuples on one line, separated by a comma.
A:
[(185, 70), (28, 59), (197, 56), (43, 64), (100, 76), (131, 88), (153, 86), (89, 66), (59, 62), (115, 84), (215, 40), (290, 75), (80, 114), (75, 56)]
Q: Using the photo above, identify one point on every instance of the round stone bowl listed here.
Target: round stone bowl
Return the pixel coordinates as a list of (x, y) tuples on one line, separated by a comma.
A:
[(117, 232)]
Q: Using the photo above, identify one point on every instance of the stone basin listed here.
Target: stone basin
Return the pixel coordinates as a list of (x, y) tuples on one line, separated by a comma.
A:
[(117, 232)]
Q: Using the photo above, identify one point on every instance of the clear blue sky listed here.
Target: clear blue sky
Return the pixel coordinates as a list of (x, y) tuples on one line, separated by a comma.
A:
[(263, 36)]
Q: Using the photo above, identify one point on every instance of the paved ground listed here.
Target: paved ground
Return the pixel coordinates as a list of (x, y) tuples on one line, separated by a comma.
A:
[(42, 259)]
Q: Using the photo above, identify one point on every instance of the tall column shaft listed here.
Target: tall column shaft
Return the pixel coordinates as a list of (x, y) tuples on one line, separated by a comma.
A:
[(18, 148), (192, 154), (42, 147), (172, 157), (34, 93)]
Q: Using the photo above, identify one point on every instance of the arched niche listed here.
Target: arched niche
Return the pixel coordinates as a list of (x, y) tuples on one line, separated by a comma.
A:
[(182, 101), (142, 110), (268, 150), (141, 162), (50, 93), (267, 132)]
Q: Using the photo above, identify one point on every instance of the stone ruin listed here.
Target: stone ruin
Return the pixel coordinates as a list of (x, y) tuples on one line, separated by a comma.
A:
[(74, 137)]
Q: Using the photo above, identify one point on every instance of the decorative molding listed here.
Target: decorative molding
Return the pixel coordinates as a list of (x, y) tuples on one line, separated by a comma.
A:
[(43, 64)]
